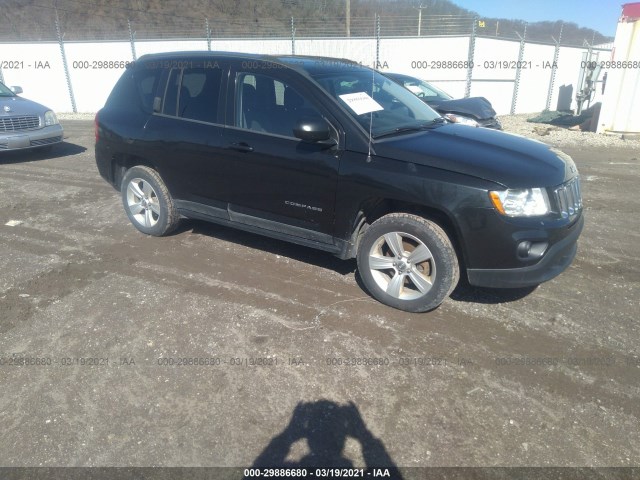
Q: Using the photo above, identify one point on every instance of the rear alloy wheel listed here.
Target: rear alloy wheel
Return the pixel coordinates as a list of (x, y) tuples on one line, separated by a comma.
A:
[(407, 262), (147, 202)]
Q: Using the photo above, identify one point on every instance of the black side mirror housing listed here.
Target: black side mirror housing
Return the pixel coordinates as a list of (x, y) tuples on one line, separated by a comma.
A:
[(312, 130)]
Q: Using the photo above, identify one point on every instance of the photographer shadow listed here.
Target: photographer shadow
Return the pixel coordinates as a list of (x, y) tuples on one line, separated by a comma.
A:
[(326, 426)]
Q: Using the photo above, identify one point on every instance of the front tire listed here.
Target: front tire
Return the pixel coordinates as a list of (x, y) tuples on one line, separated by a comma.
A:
[(147, 202), (407, 262)]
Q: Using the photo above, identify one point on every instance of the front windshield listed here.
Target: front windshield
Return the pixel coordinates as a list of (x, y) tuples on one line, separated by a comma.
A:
[(425, 90), (376, 101), (5, 92)]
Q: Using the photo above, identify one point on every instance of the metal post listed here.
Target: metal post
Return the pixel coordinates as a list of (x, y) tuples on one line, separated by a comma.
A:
[(293, 37), (554, 68), (585, 82), (348, 17), (420, 8), (64, 63), (206, 24), (516, 84), (132, 40), (590, 51), (470, 58), (1, 76), (377, 41)]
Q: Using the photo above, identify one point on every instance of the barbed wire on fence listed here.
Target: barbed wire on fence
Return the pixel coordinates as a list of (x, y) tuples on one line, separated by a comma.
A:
[(114, 24)]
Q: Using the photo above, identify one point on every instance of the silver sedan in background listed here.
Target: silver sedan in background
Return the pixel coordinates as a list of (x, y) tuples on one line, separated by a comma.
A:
[(24, 123)]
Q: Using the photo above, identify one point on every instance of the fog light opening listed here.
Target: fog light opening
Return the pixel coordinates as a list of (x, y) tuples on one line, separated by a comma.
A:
[(527, 250)]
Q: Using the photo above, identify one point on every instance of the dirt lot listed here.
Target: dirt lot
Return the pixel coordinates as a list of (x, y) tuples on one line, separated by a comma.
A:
[(295, 355)]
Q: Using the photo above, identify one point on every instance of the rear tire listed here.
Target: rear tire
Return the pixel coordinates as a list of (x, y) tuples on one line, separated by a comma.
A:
[(147, 202), (407, 262)]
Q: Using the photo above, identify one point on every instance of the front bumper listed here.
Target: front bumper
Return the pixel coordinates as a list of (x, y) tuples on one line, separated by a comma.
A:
[(553, 263), (21, 140)]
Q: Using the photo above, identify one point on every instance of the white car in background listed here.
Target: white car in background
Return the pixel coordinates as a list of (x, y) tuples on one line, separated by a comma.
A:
[(26, 124), (474, 111)]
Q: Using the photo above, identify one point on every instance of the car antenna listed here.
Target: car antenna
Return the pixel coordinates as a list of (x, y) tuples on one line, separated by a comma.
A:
[(373, 79)]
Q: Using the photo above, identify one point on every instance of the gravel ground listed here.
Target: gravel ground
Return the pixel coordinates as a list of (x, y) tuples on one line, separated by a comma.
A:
[(216, 347), (76, 116), (562, 137), (553, 135)]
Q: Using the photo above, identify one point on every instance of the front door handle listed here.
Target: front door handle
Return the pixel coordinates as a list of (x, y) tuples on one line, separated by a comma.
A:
[(240, 147)]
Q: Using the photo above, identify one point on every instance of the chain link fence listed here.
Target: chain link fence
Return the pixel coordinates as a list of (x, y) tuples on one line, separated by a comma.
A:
[(117, 24), (399, 42)]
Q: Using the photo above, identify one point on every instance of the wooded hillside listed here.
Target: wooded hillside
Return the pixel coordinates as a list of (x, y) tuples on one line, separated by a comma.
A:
[(110, 20)]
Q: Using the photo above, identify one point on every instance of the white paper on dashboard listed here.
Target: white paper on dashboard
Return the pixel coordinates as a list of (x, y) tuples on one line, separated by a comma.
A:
[(415, 89), (361, 103)]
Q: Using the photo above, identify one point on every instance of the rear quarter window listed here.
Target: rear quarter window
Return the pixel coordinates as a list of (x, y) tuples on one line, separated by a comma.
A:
[(137, 86), (123, 93), (147, 86)]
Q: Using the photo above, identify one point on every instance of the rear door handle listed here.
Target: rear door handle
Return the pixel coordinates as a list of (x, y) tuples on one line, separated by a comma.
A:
[(240, 147)]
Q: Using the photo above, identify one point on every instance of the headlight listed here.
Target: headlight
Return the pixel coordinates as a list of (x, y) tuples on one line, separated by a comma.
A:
[(525, 202), (50, 118), (460, 119)]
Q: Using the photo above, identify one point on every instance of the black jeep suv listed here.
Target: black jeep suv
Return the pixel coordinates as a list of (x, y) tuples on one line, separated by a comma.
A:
[(333, 155)]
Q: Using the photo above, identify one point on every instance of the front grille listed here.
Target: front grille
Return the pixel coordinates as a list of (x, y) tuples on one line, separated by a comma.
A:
[(23, 122), (4, 145), (569, 198), (45, 141)]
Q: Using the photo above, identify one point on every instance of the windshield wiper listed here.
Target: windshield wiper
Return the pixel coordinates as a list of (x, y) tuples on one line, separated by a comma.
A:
[(412, 128)]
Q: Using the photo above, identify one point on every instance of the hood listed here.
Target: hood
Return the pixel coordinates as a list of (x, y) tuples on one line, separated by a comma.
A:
[(504, 158), (20, 106), (476, 107)]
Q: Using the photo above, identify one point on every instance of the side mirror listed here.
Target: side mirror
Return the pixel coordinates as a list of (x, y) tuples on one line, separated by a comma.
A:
[(312, 130), (15, 89)]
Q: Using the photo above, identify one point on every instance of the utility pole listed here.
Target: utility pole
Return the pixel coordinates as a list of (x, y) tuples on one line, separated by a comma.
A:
[(348, 17), (420, 8)]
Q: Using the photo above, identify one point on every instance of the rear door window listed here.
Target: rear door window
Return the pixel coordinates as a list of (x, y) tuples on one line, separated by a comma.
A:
[(199, 94), (193, 93)]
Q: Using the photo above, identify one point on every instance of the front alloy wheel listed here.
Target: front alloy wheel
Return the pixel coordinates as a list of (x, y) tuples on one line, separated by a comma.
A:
[(402, 265), (407, 262)]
